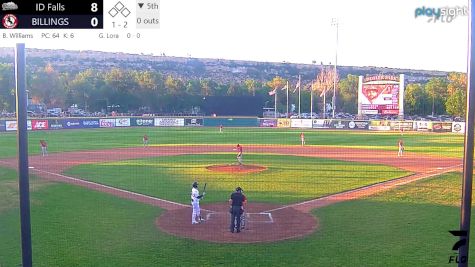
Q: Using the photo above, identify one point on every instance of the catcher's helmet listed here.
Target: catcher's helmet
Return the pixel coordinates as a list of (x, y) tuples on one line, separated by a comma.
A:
[(238, 189), (195, 184)]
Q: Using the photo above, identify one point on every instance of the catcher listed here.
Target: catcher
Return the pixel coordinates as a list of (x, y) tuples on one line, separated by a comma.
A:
[(237, 202)]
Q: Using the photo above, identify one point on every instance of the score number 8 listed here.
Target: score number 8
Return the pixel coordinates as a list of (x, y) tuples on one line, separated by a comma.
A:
[(94, 20)]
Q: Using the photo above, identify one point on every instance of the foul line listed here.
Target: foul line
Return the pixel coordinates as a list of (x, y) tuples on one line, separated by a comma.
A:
[(382, 185), (112, 188)]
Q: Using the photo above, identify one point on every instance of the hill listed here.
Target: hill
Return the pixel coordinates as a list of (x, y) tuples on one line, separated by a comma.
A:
[(219, 70)]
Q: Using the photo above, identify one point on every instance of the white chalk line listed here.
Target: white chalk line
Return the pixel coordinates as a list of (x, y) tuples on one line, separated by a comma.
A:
[(112, 188), (441, 170), (248, 216)]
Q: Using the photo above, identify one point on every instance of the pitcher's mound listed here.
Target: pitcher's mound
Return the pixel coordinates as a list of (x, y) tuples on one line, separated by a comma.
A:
[(234, 168)]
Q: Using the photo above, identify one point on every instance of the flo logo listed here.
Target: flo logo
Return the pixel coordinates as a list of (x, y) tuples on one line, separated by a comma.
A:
[(462, 242)]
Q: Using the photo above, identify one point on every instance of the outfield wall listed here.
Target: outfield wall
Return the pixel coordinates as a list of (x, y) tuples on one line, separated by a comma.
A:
[(335, 124)]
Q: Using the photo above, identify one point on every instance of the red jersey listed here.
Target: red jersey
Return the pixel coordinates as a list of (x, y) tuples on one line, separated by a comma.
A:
[(43, 143), (302, 136), (145, 138)]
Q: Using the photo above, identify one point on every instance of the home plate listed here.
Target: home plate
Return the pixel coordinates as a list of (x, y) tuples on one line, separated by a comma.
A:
[(31, 167)]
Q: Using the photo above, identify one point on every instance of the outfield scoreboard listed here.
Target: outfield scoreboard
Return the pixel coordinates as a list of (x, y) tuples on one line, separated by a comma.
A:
[(68, 20), (381, 95)]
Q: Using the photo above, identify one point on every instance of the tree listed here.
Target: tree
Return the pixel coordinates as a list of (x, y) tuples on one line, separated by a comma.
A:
[(7, 88), (455, 104), (323, 83), (348, 94), (457, 95), (174, 86), (46, 87), (251, 86), (416, 100), (277, 82), (436, 89)]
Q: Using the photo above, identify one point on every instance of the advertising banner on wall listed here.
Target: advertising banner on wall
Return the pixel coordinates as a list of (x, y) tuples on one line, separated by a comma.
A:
[(423, 126), (72, 124), (301, 123), (11, 126), (358, 125), (39, 125), (268, 123), (442, 127), (122, 122), (141, 122), (90, 123), (55, 124), (2, 126), (193, 122), (169, 122), (106, 123), (321, 123), (379, 125), (402, 125), (340, 124), (283, 123), (458, 127)]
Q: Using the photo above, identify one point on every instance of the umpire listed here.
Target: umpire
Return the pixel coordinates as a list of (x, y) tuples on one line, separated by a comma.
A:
[(237, 202)]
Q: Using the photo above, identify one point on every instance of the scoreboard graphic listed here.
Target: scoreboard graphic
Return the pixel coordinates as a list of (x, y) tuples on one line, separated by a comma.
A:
[(28, 14), (381, 95), (127, 16)]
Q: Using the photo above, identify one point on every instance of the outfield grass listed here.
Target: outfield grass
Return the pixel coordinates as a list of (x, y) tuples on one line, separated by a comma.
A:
[(73, 226), (288, 179), (93, 139)]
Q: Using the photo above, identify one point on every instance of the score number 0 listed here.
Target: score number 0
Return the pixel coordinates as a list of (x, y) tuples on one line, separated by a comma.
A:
[(94, 20)]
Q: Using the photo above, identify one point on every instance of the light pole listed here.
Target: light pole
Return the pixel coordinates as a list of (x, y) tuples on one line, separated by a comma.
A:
[(335, 23)]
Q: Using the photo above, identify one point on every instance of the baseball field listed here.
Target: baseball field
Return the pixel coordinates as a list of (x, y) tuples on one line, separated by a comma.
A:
[(100, 198)]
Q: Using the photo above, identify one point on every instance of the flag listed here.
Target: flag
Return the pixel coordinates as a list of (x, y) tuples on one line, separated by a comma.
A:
[(297, 86), (323, 92), (272, 92), (283, 88)]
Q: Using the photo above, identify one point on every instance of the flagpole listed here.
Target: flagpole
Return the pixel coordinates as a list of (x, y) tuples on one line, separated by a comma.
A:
[(275, 103), (300, 85), (287, 115), (311, 101), (335, 22)]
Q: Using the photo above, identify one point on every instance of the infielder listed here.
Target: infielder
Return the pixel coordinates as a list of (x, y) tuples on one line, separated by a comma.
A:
[(145, 140), (302, 139), (400, 145), (195, 203), (44, 147)]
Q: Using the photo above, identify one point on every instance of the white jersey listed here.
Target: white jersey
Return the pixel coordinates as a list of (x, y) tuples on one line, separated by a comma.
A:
[(194, 195)]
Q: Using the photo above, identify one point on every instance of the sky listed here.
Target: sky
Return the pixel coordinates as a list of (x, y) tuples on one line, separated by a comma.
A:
[(382, 33)]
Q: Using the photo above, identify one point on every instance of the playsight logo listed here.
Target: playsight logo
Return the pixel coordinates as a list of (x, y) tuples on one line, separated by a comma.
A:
[(442, 14)]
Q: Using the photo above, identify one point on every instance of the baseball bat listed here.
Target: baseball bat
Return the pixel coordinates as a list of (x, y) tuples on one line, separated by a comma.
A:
[(204, 188)]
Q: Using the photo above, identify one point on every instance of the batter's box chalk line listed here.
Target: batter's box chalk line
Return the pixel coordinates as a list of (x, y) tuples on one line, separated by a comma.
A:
[(251, 217)]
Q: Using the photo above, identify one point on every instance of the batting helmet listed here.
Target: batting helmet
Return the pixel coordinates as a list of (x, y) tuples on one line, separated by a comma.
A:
[(238, 189), (195, 184)]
